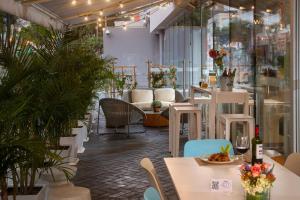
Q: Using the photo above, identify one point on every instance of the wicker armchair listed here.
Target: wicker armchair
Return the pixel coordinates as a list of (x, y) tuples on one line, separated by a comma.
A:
[(119, 113)]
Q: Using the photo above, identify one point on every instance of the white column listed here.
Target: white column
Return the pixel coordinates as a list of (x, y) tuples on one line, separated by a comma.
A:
[(296, 74)]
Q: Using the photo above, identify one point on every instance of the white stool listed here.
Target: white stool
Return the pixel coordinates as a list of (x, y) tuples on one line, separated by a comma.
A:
[(171, 127), (68, 192), (226, 119), (196, 132)]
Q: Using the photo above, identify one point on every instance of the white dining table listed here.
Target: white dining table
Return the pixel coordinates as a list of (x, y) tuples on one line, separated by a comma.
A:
[(192, 177)]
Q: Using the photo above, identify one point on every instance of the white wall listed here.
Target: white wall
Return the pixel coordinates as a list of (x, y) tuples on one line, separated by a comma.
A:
[(133, 47)]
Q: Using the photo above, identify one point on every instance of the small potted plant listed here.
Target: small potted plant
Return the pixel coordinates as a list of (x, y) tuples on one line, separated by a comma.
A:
[(257, 180), (156, 105)]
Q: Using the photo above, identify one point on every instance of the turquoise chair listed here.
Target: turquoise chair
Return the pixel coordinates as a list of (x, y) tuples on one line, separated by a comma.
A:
[(196, 148), (151, 194)]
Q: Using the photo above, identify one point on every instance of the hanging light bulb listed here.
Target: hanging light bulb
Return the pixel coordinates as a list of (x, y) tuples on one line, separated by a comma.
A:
[(121, 5), (101, 13), (89, 2), (74, 2), (86, 18), (99, 19), (100, 25)]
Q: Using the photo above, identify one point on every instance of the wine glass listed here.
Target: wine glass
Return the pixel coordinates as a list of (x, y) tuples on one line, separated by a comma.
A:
[(242, 145)]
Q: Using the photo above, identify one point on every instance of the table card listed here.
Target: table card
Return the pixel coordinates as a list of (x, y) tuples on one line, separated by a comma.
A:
[(221, 185)]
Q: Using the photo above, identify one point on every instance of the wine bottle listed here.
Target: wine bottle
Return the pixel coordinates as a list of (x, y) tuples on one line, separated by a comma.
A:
[(257, 148)]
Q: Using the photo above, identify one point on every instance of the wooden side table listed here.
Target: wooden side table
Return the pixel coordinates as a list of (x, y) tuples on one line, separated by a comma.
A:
[(154, 119)]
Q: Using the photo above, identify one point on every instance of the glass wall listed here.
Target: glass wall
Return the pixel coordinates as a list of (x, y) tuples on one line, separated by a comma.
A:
[(257, 35)]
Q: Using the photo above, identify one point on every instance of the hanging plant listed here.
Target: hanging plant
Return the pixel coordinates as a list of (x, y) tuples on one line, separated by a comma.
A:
[(172, 76), (158, 79)]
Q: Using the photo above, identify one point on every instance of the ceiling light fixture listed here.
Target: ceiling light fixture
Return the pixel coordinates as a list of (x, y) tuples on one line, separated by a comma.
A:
[(101, 13), (268, 10), (99, 19), (86, 18), (121, 5), (252, 7), (89, 2), (242, 8), (74, 2)]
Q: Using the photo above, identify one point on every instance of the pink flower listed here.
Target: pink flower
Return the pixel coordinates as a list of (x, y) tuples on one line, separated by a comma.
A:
[(256, 169)]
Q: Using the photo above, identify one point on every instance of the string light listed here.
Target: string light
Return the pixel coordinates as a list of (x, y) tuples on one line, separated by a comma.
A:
[(101, 13), (107, 0), (89, 2), (100, 25), (74, 2), (86, 18), (99, 19), (121, 5), (252, 7), (103, 29)]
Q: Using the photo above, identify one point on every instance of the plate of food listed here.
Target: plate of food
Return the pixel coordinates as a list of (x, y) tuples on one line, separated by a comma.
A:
[(223, 157)]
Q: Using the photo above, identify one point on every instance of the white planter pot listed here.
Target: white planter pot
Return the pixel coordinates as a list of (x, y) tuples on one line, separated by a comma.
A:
[(39, 196), (72, 142), (57, 176), (84, 130), (80, 139)]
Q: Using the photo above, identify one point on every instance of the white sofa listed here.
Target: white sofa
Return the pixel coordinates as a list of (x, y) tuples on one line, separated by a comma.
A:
[(143, 98)]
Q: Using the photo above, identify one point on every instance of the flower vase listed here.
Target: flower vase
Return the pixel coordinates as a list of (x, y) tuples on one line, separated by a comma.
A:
[(258, 196)]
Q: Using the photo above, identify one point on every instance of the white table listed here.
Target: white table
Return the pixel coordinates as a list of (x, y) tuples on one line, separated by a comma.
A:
[(192, 180), (218, 97)]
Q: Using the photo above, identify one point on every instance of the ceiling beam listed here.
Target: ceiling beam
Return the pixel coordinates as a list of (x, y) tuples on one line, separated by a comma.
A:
[(136, 10), (96, 11), (26, 2)]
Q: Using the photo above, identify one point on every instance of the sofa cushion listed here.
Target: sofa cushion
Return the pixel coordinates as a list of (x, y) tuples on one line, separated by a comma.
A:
[(165, 104), (139, 95), (143, 105), (165, 94)]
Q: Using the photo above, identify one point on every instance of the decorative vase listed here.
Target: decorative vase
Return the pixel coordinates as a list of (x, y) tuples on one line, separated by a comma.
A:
[(258, 196), (226, 83)]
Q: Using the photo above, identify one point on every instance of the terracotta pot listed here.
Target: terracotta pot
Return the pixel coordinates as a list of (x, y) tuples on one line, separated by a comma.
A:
[(156, 109)]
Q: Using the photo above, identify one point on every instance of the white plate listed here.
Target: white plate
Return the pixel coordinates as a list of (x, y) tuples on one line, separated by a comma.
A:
[(232, 159)]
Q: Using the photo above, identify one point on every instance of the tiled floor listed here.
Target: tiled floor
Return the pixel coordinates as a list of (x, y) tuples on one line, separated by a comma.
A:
[(110, 164)]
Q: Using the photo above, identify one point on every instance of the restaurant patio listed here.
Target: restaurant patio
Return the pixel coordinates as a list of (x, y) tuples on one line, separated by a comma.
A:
[(149, 99)]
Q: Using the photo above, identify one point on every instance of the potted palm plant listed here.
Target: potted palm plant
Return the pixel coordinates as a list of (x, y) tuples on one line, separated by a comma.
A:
[(156, 105)]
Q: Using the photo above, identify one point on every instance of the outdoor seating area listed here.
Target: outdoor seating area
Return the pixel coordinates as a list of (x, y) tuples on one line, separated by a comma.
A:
[(149, 99)]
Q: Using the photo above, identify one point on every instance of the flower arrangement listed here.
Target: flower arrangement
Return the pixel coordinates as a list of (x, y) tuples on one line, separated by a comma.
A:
[(257, 179), (218, 56)]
